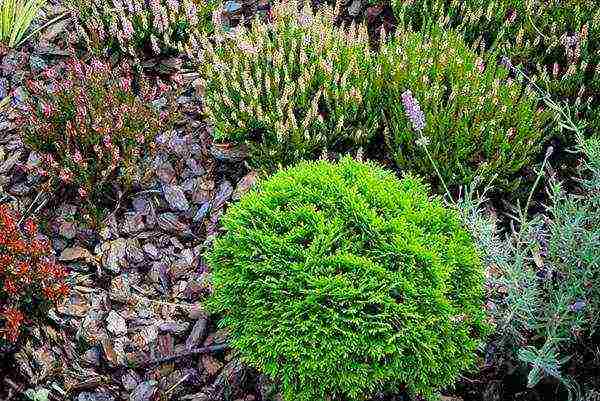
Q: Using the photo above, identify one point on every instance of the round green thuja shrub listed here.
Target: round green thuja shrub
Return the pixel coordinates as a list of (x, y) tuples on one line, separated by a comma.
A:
[(339, 280)]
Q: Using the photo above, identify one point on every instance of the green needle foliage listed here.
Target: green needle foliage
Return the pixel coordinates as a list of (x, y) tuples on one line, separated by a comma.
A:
[(15, 18), (339, 280)]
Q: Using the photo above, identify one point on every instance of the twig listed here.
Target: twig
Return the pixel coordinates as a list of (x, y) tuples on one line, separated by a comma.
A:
[(192, 352), (26, 214), (174, 386)]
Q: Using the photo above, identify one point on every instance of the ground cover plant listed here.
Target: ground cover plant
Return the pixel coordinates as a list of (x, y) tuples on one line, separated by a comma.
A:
[(31, 281), (90, 126), (292, 89), (360, 265)]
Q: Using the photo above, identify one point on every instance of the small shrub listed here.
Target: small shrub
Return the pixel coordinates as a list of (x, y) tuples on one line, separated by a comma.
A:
[(90, 127), (557, 42), (476, 122), (545, 277), (292, 88), (134, 26), (30, 280), (340, 280), (15, 20)]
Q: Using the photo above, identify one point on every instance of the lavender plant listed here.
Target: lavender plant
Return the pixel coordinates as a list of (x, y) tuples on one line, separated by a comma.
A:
[(292, 88), (134, 26), (544, 275), (474, 120), (557, 42)]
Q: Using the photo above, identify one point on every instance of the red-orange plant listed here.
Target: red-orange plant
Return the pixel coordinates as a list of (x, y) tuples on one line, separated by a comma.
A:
[(30, 279)]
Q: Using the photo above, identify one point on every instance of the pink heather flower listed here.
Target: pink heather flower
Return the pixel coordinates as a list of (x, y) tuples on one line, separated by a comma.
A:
[(140, 139), (50, 73), (107, 141), (127, 29), (82, 192), (48, 159), (41, 172), (130, 6), (480, 65), (512, 15), (118, 122), (77, 157), (304, 19), (155, 6), (173, 6), (413, 111), (47, 110), (555, 69), (126, 84), (162, 87), (98, 65), (65, 175), (77, 68), (191, 12), (217, 18), (247, 48), (154, 43)]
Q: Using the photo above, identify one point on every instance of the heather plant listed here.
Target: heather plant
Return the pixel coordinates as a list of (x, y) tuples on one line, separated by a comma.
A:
[(132, 26), (443, 102), (30, 280), (92, 126), (544, 275), (292, 88), (556, 41), (340, 280)]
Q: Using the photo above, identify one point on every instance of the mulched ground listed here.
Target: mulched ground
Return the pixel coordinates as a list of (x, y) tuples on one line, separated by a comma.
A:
[(134, 328)]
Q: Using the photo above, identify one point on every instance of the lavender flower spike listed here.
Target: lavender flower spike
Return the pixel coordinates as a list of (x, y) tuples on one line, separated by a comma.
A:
[(413, 111)]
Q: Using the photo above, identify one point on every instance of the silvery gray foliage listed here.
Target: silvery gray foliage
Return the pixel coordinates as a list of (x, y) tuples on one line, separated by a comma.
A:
[(544, 274)]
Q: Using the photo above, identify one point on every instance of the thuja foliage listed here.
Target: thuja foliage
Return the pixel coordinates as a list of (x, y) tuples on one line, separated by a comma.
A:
[(292, 88), (545, 276), (92, 125), (476, 121), (30, 279), (556, 41), (339, 280), (135, 26)]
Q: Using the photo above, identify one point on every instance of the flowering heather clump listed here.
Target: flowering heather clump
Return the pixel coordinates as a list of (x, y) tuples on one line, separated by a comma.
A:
[(30, 280), (477, 122), (133, 25), (292, 88), (90, 127), (556, 41)]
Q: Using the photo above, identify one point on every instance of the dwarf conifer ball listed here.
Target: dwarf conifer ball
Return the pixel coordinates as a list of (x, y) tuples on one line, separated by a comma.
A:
[(339, 280)]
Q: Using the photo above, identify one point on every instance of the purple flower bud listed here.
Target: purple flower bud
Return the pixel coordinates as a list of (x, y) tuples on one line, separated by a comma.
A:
[(577, 306), (413, 111), (505, 61)]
